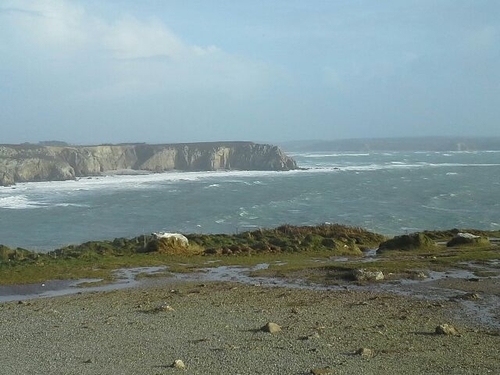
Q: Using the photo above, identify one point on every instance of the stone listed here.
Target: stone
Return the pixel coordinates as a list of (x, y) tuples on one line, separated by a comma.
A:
[(365, 352), (178, 237), (470, 296), (271, 328), (179, 364), (366, 275), (165, 307), (468, 239), (446, 329), (321, 371), (413, 241)]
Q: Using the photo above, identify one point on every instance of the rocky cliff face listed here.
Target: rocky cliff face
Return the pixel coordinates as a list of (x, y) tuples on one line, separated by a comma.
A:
[(22, 163)]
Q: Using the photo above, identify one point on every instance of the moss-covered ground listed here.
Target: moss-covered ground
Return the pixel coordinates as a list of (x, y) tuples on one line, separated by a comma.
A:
[(308, 252)]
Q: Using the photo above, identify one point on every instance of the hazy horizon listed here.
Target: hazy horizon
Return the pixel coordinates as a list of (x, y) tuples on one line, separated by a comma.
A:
[(442, 138), (93, 72)]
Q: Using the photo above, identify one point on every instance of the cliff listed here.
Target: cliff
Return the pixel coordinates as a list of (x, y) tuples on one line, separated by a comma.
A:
[(28, 162)]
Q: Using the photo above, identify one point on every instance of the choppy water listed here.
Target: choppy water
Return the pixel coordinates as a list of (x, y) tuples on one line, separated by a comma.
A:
[(389, 193)]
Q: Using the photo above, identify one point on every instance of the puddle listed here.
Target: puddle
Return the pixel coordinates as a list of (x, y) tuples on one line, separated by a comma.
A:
[(482, 310), (370, 253), (125, 278)]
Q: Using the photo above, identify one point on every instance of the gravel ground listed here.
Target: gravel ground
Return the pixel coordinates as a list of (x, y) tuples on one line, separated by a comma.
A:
[(215, 328)]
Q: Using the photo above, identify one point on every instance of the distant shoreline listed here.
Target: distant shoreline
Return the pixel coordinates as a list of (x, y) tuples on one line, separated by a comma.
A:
[(396, 144)]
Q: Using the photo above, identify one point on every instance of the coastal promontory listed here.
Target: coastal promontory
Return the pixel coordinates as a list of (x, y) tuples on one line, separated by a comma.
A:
[(40, 162)]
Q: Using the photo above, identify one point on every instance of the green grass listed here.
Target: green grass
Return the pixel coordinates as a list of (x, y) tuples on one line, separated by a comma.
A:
[(290, 251)]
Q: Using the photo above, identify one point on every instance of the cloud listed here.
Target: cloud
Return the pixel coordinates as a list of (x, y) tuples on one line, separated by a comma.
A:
[(48, 23), (121, 56), (130, 38)]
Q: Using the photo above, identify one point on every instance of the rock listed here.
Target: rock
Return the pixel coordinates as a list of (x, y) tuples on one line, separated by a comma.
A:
[(420, 275), (165, 307), (271, 328), (365, 352), (366, 275), (412, 241), (470, 296), (179, 364), (173, 236), (446, 329), (322, 371), (468, 239)]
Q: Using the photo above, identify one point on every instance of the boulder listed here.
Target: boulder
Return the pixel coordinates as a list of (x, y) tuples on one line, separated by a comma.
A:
[(179, 364), (413, 241), (365, 352), (175, 237), (363, 274), (446, 329), (468, 239), (271, 328)]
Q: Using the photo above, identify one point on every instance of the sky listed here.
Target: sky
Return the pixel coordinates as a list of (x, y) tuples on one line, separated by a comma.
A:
[(166, 71)]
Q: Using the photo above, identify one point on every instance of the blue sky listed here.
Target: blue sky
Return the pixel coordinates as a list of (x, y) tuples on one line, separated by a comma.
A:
[(161, 71)]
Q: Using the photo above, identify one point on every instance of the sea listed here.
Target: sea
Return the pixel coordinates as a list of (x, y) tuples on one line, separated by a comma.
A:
[(390, 193)]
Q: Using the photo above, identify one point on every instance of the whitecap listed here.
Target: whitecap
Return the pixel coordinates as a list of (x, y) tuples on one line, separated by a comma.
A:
[(18, 202), (70, 205), (328, 155), (136, 182), (376, 167)]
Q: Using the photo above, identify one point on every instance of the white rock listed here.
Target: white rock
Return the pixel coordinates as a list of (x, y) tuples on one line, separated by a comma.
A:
[(178, 363), (176, 236)]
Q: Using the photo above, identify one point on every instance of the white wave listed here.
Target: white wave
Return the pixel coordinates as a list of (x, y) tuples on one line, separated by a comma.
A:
[(452, 165), (69, 205), (328, 155), (119, 182), (376, 167), (18, 202), (21, 202)]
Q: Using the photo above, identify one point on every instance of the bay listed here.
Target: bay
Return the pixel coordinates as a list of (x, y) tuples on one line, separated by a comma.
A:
[(386, 192)]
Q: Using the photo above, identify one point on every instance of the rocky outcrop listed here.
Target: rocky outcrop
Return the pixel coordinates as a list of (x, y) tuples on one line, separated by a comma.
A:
[(23, 163), (413, 241), (468, 239)]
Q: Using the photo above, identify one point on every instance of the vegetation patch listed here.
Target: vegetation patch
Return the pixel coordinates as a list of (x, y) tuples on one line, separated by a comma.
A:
[(414, 241), (306, 252)]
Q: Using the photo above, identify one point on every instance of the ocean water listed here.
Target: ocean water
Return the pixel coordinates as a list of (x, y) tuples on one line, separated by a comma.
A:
[(386, 192)]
